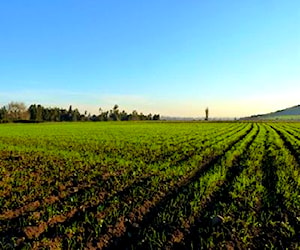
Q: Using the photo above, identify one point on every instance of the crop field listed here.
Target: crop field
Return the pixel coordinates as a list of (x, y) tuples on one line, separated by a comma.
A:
[(150, 185)]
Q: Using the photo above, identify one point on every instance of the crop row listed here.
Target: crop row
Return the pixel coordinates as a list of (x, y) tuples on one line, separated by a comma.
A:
[(150, 185), (51, 209), (22, 168)]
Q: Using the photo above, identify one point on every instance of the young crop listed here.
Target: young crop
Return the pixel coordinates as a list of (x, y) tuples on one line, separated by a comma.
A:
[(159, 185)]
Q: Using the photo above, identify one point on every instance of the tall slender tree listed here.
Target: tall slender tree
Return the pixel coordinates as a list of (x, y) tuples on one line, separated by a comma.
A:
[(206, 114)]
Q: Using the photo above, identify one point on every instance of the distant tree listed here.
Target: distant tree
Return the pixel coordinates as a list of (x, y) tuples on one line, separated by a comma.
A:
[(32, 112), (104, 116), (52, 114), (63, 115), (36, 112), (17, 111), (134, 116), (156, 117), (94, 118), (123, 116), (3, 114), (206, 114), (70, 114), (114, 113), (142, 117), (49, 115), (75, 115), (39, 113)]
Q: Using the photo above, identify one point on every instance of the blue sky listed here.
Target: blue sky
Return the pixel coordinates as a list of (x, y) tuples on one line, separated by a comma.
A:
[(160, 56)]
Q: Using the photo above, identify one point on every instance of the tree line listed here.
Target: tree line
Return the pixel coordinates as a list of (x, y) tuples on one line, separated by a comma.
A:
[(18, 112)]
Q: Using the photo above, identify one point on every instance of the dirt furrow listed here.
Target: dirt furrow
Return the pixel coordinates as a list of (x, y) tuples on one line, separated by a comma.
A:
[(188, 234), (141, 216), (287, 143), (274, 202), (49, 228)]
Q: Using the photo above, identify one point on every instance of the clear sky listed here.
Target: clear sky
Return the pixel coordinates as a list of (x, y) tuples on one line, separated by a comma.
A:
[(171, 57)]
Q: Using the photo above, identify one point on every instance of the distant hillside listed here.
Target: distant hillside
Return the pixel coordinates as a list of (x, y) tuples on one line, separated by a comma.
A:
[(292, 113)]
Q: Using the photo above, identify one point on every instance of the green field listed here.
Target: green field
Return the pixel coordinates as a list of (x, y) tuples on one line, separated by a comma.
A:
[(150, 185)]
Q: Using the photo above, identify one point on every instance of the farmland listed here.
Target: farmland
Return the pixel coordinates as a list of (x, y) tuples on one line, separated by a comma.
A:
[(151, 185)]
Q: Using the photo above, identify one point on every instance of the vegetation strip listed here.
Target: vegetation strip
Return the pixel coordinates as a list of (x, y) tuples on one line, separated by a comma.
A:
[(109, 208), (188, 236), (144, 214), (150, 185)]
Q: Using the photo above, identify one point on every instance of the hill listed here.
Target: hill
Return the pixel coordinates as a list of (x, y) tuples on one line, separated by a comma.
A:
[(292, 113)]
